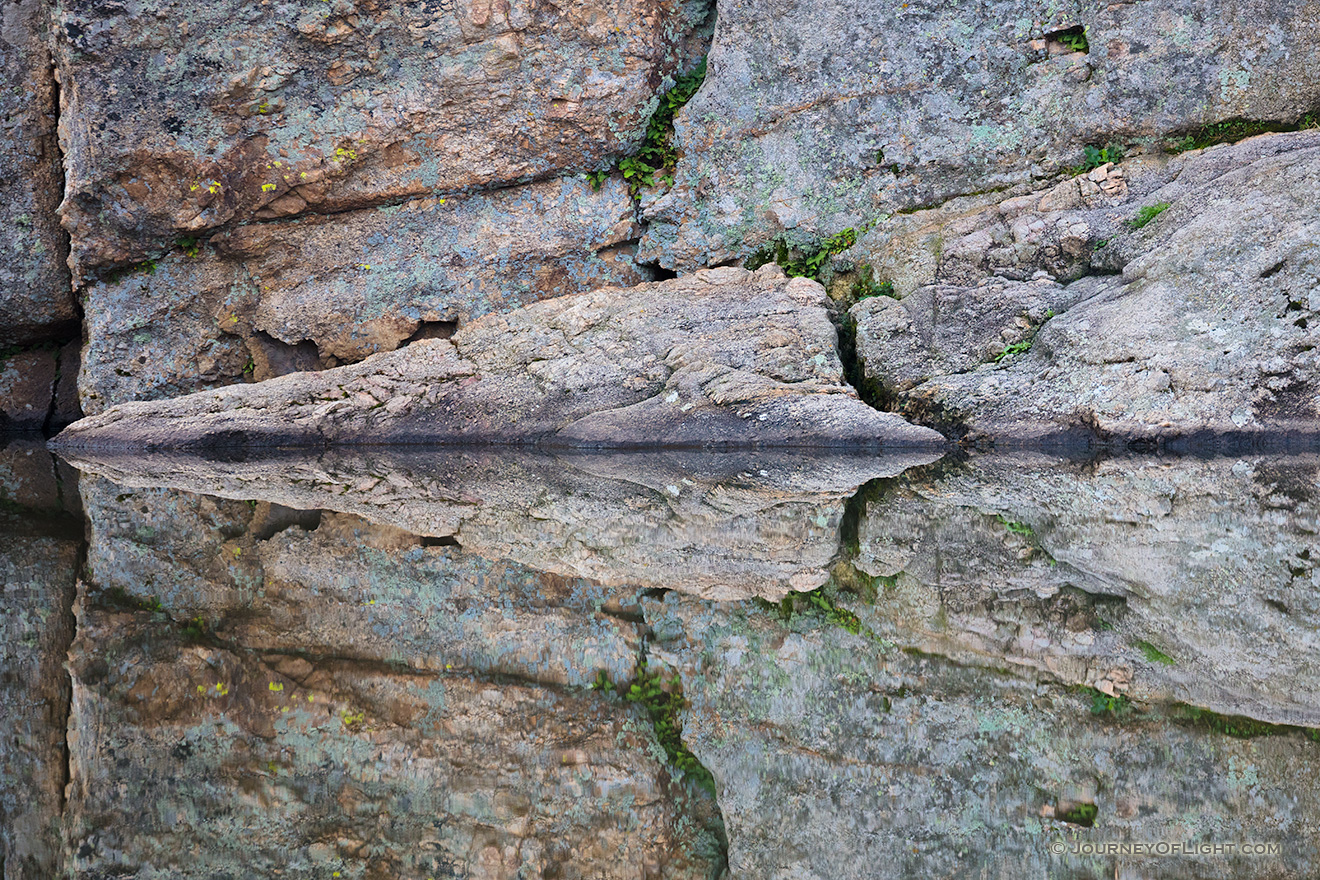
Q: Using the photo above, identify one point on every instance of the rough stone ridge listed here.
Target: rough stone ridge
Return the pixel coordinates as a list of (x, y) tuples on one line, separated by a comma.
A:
[(36, 298), (178, 119), (818, 116), (319, 291), (720, 358)]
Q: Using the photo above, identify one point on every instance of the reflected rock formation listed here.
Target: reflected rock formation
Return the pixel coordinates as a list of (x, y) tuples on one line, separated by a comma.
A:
[(717, 525), (962, 663)]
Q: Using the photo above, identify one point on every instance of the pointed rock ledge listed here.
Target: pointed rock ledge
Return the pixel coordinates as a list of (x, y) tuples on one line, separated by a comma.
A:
[(721, 358)]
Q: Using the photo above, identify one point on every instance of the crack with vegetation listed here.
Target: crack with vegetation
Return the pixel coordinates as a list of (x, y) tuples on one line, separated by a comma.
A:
[(661, 697)]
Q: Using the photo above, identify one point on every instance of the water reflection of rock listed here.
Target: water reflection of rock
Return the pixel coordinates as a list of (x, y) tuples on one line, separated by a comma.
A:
[(837, 758), (716, 525), (40, 551), (191, 758), (1189, 580)]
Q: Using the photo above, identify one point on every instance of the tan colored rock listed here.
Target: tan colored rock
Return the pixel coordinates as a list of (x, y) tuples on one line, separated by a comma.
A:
[(206, 759), (181, 119), (720, 358)]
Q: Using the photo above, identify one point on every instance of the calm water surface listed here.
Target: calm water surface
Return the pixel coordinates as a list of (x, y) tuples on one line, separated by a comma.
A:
[(425, 664)]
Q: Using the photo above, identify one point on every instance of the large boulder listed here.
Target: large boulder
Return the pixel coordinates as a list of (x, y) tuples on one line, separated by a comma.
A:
[(177, 120), (36, 298), (268, 299), (1195, 319), (818, 116), (720, 358)]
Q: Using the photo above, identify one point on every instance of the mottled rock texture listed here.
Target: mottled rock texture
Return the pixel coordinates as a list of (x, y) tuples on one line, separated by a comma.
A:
[(318, 291), (179, 119), (720, 358), (1197, 323), (836, 757), (819, 116), (36, 299), (212, 759), (715, 525)]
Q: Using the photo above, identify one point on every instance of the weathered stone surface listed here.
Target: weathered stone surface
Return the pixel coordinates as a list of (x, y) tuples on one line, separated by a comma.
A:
[(818, 116), (214, 760), (1181, 580), (319, 291), (178, 120), (36, 299), (721, 358), (723, 526), (328, 584), (1206, 330), (27, 387), (836, 758)]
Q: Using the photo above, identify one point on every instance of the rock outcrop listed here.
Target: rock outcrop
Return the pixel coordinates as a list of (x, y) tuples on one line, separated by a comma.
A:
[(177, 121), (36, 297), (818, 116), (1197, 320), (720, 358), (273, 298)]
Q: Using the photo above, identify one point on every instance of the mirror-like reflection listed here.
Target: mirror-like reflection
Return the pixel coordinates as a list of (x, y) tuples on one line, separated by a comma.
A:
[(420, 664)]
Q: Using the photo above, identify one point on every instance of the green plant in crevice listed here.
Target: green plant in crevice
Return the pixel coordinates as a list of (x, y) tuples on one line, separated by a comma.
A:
[(1017, 528), (1236, 726), (1154, 654), (1016, 348), (657, 155), (664, 703), (1079, 814), (1233, 130), (867, 286), (1147, 214), (1093, 157), (1117, 706), (1075, 40), (190, 246)]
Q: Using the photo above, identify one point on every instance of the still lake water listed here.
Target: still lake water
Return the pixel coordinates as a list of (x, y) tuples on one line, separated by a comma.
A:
[(425, 664)]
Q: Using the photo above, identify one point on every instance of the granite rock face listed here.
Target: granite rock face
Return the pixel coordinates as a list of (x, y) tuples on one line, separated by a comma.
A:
[(318, 291), (720, 358), (39, 388), (211, 759), (36, 298), (1199, 322), (178, 120), (834, 757), (815, 117)]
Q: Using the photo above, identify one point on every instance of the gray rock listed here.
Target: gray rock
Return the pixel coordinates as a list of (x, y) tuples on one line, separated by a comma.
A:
[(319, 291), (178, 120), (27, 389), (36, 298), (816, 116), (836, 757), (720, 358), (717, 525), (1206, 330)]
